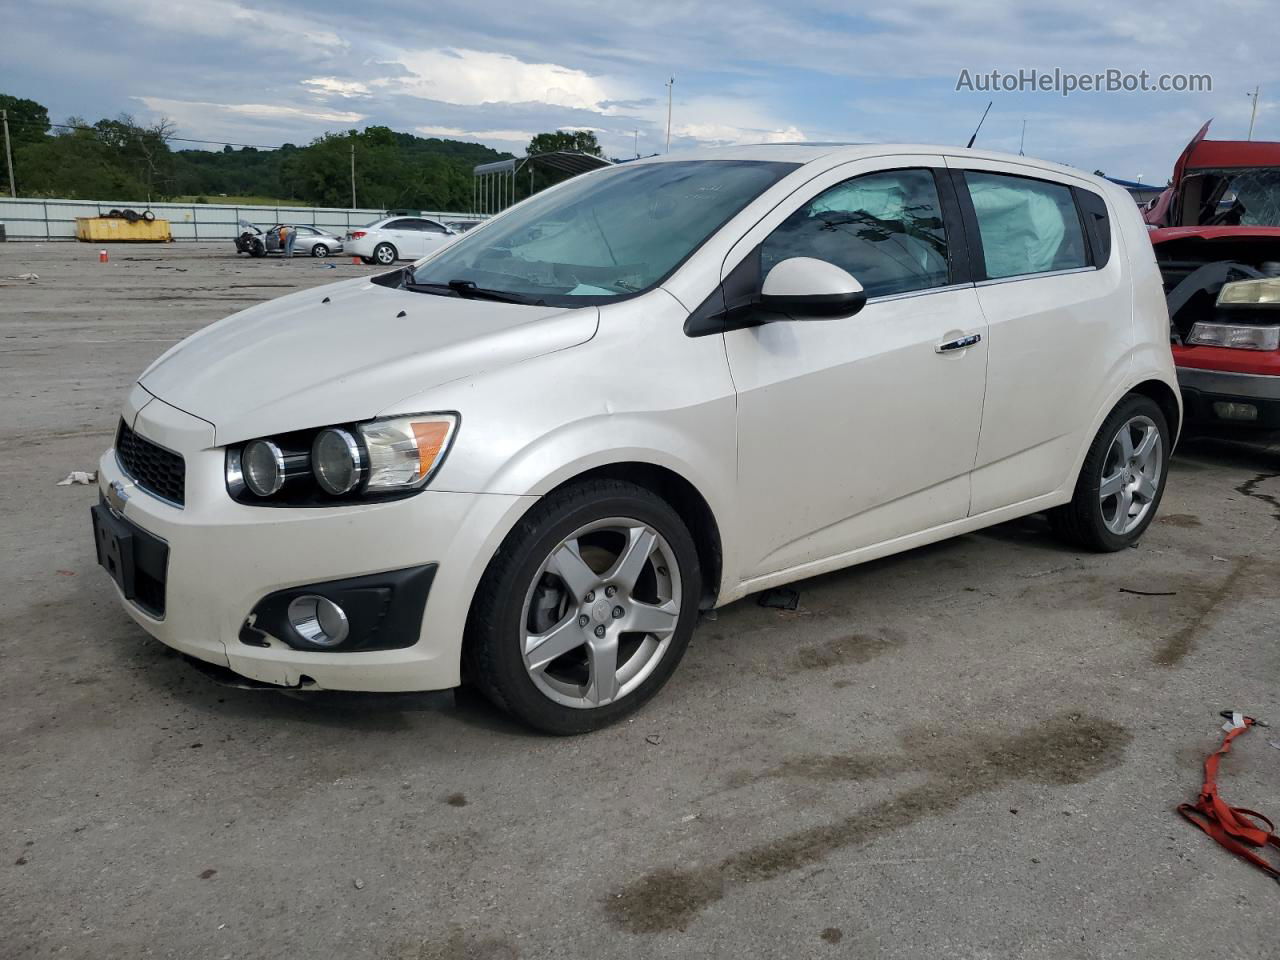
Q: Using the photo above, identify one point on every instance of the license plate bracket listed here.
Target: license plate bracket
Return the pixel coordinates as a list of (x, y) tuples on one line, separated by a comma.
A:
[(115, 545)]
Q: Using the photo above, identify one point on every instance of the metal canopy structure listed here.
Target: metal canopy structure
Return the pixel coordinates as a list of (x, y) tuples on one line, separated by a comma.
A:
[(493, 185)]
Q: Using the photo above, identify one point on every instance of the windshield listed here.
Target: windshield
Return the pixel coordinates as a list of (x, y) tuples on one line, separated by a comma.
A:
[(1238, 197), (603, 235)]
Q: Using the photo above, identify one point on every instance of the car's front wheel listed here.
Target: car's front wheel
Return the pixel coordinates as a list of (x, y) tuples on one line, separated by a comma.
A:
[(385, 254), (256, 249), (319, 250), (1122, 479), (586, 609)]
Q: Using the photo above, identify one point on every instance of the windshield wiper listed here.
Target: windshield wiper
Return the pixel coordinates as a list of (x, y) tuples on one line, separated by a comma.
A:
[(467, 290)]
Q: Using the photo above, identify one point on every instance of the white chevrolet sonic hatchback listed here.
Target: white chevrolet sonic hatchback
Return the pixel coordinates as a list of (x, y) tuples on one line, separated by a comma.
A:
[(529, 460)]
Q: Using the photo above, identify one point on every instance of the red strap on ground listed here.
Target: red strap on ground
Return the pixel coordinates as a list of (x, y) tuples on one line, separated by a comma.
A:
[(1235, 828)]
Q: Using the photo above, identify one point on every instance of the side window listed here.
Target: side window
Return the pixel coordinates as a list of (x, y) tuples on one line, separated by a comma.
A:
[(1095, 215), (884, 228), (1026, 226), (401, 225), (430, 226)]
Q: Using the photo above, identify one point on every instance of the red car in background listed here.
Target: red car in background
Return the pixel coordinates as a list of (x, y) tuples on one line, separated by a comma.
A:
[(1216, 232)]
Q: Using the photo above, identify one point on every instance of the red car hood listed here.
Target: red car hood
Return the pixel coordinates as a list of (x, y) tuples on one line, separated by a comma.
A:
[(1213, 233)]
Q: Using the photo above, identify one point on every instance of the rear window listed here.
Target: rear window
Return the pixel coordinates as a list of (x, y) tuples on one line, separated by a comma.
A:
[(1026, 226)]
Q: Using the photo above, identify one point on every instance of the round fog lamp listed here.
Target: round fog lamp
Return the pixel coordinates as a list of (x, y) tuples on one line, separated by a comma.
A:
[(318, 620), (262, 465), (337, 461)]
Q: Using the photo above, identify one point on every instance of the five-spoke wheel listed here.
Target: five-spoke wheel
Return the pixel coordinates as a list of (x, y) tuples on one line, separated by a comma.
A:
[(587, 607)]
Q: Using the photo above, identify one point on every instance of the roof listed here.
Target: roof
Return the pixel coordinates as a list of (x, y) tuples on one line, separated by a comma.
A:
[(843, 152), (564, 161)]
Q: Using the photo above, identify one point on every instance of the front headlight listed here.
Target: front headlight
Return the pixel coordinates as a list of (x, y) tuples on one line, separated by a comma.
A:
[(1240, 336), (405, 452), (379, 459)]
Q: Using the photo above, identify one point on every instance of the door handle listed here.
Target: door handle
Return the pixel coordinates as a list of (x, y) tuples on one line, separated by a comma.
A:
[(959, 343)]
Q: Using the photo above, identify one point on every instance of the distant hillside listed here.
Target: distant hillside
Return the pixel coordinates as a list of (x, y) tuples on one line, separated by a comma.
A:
[(120, 159)]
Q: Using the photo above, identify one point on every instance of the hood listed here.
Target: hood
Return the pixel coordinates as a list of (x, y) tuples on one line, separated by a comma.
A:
[(1167, 234), (347, 351)]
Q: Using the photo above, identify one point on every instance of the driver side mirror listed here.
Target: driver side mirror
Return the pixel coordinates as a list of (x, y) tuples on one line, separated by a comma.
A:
[(810, 289)]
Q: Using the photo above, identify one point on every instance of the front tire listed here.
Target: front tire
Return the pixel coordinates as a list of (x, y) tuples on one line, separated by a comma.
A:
[(1121, 481), (319, 250), (586, 609), (256, 249), (385, 254), (369, 260)]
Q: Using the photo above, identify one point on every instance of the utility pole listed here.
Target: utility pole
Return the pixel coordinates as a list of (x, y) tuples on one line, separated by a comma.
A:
[(1254, 114), (670, 85), (8, 153), (637, 144), (353, 174)]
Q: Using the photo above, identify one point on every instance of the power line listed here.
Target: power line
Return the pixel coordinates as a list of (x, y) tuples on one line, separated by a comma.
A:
[(86, 127)]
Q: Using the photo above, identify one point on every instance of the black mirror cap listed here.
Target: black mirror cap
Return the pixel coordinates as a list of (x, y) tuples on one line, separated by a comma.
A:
[(826, 306)]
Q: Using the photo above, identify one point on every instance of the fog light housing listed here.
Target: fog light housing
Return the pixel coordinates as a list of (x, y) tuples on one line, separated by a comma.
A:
[(318, 621), (1234, 411)]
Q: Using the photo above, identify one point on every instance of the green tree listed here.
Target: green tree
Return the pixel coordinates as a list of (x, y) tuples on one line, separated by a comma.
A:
[(580, 141), (28, 120)]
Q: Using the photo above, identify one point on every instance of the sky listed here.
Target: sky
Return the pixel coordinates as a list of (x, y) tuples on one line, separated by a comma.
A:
[(746, 71)]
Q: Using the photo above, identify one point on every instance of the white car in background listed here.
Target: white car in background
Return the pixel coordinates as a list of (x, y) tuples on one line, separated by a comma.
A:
[(398, 238), (650, 390)]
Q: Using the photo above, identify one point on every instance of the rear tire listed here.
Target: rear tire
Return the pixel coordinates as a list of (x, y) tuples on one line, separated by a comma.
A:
[(385, 254), (1121, 481), (567, 635)]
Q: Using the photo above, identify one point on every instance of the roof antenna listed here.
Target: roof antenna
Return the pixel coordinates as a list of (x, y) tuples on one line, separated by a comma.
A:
[(980, 122)]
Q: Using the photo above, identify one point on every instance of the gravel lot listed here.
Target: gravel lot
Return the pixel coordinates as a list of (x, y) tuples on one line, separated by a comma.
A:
[(972, 750)]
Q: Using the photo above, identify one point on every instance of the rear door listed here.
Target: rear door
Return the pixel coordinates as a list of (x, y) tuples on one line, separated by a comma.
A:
[(406, 237), (855, 431), (1059, 319)]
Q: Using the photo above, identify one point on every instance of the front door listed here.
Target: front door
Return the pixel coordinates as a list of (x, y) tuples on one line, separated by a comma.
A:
[(857, 431)]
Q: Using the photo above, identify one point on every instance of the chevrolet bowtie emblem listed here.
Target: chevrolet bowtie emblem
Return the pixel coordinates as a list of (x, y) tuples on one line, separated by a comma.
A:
[(116, 496)]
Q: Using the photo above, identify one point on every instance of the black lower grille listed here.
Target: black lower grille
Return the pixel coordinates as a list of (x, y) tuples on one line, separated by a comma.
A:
[(154, 468)]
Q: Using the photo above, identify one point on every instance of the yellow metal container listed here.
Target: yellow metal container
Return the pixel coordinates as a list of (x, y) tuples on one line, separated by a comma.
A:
[(118, 230)]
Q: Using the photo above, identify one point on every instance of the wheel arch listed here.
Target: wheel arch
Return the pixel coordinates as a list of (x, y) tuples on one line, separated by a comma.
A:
[(1167, 400), (685, 499)]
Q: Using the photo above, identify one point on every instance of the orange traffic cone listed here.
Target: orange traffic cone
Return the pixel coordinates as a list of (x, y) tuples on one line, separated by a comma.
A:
[(355, 259), (102, 256)]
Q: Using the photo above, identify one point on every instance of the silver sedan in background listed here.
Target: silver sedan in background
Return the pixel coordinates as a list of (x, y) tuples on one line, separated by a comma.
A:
[(311, 241)]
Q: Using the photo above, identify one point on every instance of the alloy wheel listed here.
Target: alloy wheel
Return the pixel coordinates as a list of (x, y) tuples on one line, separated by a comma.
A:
[(600, 613), (1131, 475)]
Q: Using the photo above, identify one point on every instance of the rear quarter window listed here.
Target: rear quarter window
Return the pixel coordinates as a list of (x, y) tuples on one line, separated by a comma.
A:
[(1098, 221)]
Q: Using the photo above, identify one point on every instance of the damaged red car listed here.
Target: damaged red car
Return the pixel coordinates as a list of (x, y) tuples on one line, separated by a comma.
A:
[(1216, 233)]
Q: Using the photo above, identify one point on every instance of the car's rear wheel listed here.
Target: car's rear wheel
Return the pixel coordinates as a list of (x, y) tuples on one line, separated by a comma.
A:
[(385, 254), (1121, 481), (319, 250), (586, 609)]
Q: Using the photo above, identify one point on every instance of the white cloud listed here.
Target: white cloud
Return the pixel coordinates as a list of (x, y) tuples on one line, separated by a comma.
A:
[(216, 19), (180, 109), (523, 136), (332, 86), (474, 77)]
